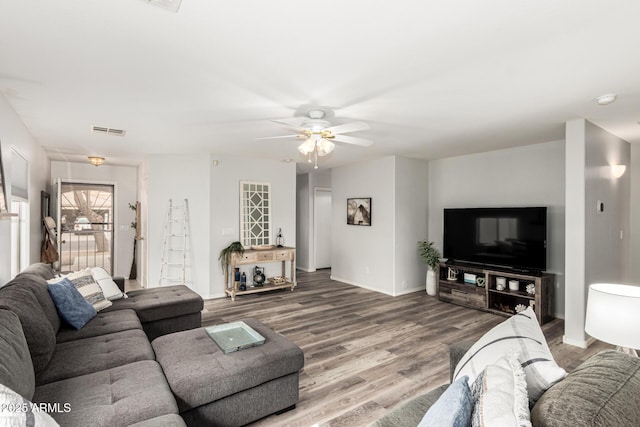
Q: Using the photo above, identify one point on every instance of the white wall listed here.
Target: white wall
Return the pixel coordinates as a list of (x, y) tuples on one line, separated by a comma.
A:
[(532, 175), (125, 180), (13, 134), (364, 256), (382, 257), (411, 223), (605, 255), (225, 207), (633, 169), (179, 177)]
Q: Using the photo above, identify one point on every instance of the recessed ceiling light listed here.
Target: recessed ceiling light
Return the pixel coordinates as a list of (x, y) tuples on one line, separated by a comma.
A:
[(287, 160), (606, 99)]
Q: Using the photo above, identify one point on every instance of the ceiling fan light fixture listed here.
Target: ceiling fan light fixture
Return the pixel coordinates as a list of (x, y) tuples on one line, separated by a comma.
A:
[(307, 147), (324, 147)]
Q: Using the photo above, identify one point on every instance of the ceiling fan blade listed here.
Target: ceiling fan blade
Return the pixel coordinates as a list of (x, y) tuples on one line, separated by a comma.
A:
[(348, 127), (280, 137), (352, 140), (289, 124)]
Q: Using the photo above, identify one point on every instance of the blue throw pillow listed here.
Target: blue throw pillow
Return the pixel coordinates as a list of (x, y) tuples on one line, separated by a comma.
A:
[(72, 306), (453, 408)]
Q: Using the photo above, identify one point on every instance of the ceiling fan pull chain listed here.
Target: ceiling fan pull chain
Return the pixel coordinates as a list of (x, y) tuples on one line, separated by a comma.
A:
[(316, 165)]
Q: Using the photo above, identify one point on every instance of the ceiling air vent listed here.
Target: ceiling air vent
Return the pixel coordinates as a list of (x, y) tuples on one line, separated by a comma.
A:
[(108, 131)]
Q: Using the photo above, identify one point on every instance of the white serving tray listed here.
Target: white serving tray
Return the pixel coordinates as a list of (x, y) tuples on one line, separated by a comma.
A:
[(234, 336)]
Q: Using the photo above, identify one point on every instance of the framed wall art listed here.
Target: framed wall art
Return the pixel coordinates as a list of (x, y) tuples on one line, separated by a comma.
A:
[(359, 211)]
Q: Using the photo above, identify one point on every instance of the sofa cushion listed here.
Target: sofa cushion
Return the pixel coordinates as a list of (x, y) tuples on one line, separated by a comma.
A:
[(171, 420), (37, 329), (16, 369), (410, 413), (521, 333), (16, 411), (41, 269), (89, 355), (161, 303), (453, 408), (72, 307), (603, 391), (89, 289), (38, 286), (104, 323), (115, 397)]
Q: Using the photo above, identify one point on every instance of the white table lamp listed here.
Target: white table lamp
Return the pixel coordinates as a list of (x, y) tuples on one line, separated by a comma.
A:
[(613, 315)]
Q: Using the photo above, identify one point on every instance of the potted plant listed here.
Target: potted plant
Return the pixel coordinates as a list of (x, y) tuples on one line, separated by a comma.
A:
[(431, 256), (225, 254)]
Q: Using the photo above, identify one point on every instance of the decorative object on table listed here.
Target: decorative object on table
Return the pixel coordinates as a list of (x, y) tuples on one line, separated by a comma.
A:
[(236, 278), (469, 278), (243, 281), (480, 282), (452, 274), (261, 247), (234, 336), (277, 280), (431, 256), (531, 289), (514, 285), (501, 283), (520, 307), (500, 286), (258, 276), (279, 238), (613, 315), (359, 211)]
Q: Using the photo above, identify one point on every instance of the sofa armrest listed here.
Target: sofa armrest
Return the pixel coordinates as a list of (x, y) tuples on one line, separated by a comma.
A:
[(456, 351), (120, 282)]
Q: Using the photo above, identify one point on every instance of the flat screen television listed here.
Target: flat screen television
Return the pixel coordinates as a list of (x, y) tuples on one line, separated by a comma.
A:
[(514, 238)]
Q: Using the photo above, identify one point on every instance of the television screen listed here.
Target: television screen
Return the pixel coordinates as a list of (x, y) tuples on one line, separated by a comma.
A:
[(504, 237)]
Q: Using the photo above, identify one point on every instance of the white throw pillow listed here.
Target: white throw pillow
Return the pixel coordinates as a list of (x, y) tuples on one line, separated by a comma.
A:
[(500, 394), (519, 333), (16, 411), (89, 289), (109, 288)]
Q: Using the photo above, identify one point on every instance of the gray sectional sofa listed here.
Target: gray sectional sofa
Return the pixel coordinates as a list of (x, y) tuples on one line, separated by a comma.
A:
[(104, 374)]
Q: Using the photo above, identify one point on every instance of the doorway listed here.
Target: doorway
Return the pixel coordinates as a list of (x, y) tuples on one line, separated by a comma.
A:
[(85, 221), (322, 216)]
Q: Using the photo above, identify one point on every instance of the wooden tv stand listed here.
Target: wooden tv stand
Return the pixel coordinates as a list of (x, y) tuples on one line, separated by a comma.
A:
[(488, 298)]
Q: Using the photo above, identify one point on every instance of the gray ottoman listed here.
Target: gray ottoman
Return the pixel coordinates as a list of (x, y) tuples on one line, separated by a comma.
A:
[(217, 389)]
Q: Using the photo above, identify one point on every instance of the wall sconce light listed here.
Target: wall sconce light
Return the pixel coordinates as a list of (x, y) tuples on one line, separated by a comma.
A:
[(618, 170), (96, 161)]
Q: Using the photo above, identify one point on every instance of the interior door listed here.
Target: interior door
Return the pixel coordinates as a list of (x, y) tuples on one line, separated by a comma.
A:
[(322, 227)]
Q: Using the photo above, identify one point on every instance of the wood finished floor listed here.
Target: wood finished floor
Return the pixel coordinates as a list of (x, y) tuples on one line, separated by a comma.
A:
[(366, 352)]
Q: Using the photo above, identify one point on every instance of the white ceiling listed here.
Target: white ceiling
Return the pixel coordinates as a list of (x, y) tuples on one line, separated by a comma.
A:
[(432, 78)]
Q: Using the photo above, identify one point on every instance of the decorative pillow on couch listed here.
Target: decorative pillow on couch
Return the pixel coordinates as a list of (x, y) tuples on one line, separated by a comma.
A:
[(89, 289), (500, 395), (109, 288), (453, 408), (73, 308), (519, 333), (15, 410)]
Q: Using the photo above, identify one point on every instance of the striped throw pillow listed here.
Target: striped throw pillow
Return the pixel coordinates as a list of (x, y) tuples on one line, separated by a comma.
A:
[(89, 289), (519, 333)]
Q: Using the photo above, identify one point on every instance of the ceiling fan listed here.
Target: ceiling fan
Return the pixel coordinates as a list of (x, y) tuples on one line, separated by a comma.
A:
[(319, 135)]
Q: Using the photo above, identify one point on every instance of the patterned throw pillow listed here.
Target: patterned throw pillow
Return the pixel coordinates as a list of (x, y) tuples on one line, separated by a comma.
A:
[(500, 395), (519, 333), (109, 288), (15, 410), (89, 289)]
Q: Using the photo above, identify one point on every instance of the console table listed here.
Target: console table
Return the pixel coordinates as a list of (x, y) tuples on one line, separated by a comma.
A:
[(257, 257)]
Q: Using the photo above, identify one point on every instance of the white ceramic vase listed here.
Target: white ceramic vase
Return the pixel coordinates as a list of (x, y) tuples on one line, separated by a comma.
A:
[(431, 282)]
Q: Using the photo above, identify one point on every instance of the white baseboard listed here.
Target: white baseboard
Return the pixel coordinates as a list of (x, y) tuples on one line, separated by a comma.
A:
[(362, 285), (576, 343), (307, 270)]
